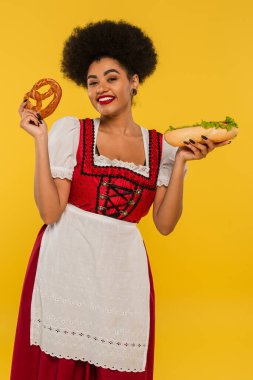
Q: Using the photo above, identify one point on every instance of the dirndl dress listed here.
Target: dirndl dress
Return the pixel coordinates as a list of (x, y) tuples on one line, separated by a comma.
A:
[(87, 308)]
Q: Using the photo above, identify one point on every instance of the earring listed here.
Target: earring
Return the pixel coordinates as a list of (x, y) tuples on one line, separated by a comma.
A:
[(134, 91)]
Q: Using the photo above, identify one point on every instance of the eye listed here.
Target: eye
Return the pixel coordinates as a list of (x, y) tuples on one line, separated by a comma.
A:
[(112, 78)]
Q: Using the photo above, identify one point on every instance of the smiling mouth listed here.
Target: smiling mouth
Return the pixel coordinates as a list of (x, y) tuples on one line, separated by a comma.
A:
[(105, 100)]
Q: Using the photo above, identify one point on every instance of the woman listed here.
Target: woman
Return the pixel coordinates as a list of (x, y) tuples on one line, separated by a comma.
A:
[(87, 307)]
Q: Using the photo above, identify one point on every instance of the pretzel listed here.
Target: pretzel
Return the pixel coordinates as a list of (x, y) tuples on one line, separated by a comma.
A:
[(55, 89)]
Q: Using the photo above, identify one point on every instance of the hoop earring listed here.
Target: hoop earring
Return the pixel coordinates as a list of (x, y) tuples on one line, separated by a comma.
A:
[(134, 91)]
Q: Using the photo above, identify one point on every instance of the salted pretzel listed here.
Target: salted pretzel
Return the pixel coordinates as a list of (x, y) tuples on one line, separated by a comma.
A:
[(55, 89)]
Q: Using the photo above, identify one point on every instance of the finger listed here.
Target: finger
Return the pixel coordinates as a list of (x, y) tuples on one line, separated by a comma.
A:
[(223, 143), (29, 119), (198, 153), (201, 148), (207, 141), (22, 107), (27, 111), (41, 122), (23, 104), (39, 117), (32, 114), (191, 147), (23, 111)]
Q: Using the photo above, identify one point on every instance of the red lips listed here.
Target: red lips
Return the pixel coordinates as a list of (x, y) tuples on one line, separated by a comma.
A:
[(105, 101)]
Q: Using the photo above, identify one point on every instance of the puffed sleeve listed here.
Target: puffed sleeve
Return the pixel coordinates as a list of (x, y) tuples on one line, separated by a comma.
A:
[(167, 163), (63, 139)]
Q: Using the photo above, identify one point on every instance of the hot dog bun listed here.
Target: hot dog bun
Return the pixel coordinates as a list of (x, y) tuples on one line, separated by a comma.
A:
[(216, 131)]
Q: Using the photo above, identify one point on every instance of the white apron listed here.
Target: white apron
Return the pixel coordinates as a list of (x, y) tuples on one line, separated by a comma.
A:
[(91, 293)]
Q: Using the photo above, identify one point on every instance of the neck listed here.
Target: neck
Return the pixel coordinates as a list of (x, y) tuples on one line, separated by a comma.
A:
[(122, 124)]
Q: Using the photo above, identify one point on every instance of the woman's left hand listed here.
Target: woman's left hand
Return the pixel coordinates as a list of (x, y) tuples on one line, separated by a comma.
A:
[(197, 151)]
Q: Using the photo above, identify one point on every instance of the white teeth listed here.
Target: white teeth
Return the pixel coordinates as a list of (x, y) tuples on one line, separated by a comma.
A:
[(103, 99)]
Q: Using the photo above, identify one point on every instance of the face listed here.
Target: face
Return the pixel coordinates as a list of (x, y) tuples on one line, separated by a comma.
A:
[(107, 78)]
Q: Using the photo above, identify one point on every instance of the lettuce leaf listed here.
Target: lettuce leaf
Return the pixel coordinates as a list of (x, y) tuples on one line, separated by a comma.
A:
[(228, 124)]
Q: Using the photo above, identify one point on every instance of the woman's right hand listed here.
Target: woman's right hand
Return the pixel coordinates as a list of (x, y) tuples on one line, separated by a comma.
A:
[(28, 117)]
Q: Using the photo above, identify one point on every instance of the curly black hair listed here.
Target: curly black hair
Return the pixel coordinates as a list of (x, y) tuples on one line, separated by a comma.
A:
[(126, 43)]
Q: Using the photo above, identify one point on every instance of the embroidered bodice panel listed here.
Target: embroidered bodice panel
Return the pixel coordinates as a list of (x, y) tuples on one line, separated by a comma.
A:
[(65, 139), (111, 190)]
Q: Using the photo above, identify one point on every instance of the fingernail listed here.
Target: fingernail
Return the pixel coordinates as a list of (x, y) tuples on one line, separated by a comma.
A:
[(186, 142), (192, 141), (204, 137), (39, 117)]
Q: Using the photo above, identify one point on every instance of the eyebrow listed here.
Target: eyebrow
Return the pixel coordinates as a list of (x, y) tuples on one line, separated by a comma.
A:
[(106, 72)]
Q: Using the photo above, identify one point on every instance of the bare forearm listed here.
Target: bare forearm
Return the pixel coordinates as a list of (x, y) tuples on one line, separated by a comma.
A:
[(45, 190), (171, 206)]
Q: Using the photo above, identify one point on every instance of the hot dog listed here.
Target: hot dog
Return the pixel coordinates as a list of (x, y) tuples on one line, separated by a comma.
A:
[(216, 131)]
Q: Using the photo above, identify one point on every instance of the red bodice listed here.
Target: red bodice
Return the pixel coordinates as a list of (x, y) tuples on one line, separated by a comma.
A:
[(113, 191)]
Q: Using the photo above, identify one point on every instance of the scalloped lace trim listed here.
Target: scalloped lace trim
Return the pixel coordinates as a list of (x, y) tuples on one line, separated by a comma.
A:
[(162, 182), (61, 172), (86, 360), (103, 160)]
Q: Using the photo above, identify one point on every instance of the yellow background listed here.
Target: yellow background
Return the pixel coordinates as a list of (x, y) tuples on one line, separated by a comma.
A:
[(203, 270)]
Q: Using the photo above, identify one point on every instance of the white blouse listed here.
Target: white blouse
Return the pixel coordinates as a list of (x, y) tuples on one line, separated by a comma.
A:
[(63, 139)]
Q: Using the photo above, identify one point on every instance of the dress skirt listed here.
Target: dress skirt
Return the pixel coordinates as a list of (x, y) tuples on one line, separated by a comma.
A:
[(29, 362)]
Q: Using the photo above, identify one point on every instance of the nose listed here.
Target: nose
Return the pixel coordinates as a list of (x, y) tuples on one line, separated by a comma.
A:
[(101, 88)]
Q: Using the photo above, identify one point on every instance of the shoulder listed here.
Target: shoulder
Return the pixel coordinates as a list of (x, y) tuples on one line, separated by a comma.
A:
[(64, 132), (65, 124), (168, 150)]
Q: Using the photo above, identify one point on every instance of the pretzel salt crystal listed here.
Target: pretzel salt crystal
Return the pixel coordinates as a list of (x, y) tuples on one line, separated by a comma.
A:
[(55, 89)]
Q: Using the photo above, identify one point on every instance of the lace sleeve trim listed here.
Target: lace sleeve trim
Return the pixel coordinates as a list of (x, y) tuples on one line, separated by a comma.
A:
[(60, 172), (164, 181)]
